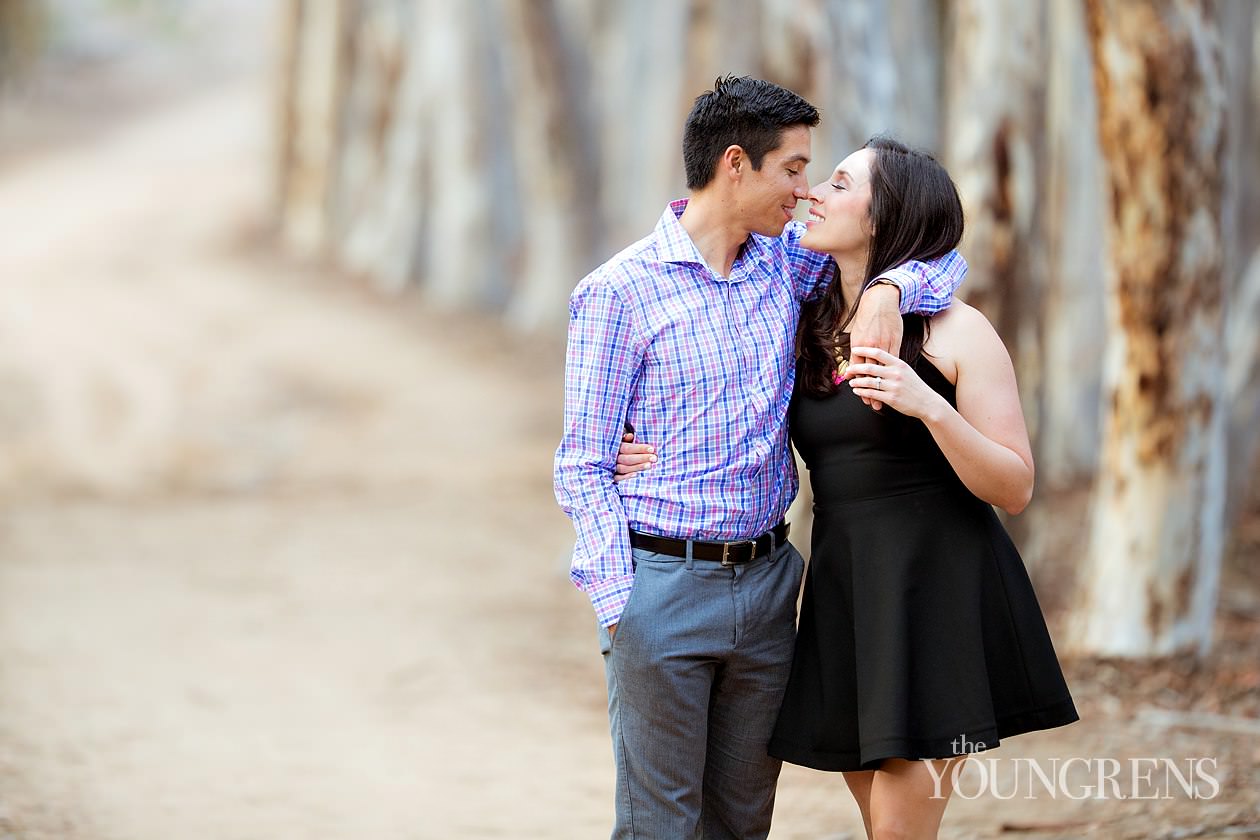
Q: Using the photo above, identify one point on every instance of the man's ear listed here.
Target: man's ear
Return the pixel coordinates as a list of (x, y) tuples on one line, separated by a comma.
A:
[(734, 160)]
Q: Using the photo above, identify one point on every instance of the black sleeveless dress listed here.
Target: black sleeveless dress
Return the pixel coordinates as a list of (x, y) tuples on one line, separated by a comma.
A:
[(920, 635)]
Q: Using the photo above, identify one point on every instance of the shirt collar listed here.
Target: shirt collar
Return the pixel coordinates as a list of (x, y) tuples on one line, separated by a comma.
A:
[(674, 245)]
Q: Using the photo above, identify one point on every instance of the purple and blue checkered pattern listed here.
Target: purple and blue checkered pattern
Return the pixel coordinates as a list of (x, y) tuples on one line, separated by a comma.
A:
[(703, 367)]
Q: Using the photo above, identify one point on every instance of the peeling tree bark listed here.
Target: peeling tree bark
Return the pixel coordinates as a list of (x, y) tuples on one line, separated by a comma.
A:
[(1062, 328), (1070, 316), (1150, 577), (491, 153), (994, 134), (1240, 28), (995, 145)]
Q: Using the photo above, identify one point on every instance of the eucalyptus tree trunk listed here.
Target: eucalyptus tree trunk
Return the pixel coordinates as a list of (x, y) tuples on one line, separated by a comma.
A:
[(849, 60), (995, 147), (1060, 324), (1240, 29), (993, 142), (376, 212), (313, 64), (417, 202), (1070, 319), (557, 156), (643, 82), (1149, 579)]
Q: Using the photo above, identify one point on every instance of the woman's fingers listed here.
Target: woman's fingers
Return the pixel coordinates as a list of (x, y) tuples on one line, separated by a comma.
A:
[(639, 461), (871, 369), (633, 458), (631, 465), (864, 369), (881, 356)]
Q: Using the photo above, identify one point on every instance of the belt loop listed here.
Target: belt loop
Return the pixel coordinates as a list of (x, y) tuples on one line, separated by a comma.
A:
[(774, 544), (690, 560)]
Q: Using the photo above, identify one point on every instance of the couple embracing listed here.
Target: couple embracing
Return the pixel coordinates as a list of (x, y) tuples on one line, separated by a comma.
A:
[(722, 338)]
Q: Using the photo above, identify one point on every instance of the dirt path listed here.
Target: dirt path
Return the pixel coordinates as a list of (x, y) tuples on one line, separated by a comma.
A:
[(279, 559)]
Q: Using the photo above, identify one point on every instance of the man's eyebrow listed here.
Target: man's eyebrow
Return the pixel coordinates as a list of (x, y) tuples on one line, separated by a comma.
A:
[(798, 159)]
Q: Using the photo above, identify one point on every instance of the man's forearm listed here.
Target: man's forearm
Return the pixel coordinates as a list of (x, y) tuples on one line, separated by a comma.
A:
[(927, 287)]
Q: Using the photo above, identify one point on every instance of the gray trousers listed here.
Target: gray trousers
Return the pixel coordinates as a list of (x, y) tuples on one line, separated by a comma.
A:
[(696, 672)]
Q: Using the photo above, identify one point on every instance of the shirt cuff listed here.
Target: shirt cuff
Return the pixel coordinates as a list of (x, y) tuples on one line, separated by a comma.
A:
[(609, 597), (905, 281)]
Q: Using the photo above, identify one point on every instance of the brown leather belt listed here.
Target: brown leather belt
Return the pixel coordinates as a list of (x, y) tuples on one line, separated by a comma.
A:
[(726, 553)]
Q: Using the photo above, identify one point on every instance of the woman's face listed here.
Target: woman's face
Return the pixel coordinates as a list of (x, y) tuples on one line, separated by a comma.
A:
[(839, 218)]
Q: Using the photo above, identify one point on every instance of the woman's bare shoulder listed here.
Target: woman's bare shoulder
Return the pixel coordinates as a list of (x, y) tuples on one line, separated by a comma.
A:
[(958, 335), (962, 325)]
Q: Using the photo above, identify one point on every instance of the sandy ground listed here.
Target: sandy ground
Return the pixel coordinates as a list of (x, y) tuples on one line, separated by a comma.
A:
[(279, 559)]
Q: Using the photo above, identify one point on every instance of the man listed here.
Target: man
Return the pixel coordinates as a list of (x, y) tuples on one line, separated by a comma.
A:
[(688, 336)]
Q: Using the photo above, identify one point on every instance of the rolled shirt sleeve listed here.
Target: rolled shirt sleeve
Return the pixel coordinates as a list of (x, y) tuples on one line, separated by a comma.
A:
[(928, 287), (602, 362)]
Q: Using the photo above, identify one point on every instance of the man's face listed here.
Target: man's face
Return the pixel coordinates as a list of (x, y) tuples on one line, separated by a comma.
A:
[(767, 197)]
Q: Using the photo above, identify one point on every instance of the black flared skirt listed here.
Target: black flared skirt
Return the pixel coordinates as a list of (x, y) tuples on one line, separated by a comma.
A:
[(920, 637)]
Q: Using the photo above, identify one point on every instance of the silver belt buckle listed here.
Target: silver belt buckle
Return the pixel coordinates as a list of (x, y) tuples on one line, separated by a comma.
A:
[(726, 550)]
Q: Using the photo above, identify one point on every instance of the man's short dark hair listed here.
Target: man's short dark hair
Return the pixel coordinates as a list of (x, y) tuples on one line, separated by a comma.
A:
[(739, 111)]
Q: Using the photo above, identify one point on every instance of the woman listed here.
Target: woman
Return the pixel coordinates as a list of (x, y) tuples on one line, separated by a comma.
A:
[(920, 638)]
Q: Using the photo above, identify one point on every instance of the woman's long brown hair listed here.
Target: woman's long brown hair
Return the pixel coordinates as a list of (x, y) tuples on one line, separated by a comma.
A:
[(916, 215)]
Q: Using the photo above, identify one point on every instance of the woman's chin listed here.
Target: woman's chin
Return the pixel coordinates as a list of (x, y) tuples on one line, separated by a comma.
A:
[(813, 242)]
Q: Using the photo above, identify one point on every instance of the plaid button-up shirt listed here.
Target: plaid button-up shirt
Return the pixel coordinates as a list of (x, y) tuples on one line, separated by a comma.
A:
[(703, 366)]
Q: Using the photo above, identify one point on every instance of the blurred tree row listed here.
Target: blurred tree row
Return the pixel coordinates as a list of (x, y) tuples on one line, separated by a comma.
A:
[(493, 151)]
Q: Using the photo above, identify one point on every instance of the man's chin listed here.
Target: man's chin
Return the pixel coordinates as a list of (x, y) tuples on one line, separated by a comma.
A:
[(771, 230)]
